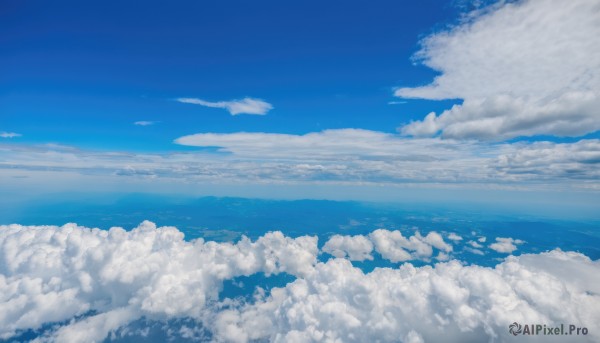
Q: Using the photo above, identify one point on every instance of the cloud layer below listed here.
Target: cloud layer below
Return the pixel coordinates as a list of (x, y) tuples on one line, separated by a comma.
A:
[(95, 282), (522, 68)]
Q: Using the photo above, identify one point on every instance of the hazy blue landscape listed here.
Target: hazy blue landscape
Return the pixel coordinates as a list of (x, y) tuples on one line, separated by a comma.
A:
[(227, 219)]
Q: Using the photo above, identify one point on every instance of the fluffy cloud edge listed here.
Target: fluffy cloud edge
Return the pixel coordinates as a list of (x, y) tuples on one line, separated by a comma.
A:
[(505, 245), (516, 77), (121, 276)]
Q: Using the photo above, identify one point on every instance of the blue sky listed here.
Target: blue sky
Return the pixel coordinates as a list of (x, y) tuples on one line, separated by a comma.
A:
[(82, 73), (236, 98)]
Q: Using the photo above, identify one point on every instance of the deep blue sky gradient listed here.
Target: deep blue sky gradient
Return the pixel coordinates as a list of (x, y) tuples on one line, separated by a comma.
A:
[(80, 73)]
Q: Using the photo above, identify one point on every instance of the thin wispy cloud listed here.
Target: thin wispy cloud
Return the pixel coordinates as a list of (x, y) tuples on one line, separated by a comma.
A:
[(525, 68), (234, 107), (364, 154), (145, 123), (396, 102), (349, 156), (9, 134)]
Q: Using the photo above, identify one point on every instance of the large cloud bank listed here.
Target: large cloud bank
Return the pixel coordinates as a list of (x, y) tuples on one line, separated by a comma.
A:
[(522, 68), (94, 282), (343, 156)]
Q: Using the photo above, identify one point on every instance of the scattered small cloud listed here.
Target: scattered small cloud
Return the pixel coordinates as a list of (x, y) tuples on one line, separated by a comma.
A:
[(396, 102), (393, 246), (475, 251), (234, 107), (505, 245), (454, 237), (475, 244), (145, 122), (4, 134)]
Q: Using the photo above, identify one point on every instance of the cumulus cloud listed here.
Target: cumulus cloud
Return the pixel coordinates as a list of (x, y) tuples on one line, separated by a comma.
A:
[(4, 134), (145, 123), (449, 302), (475, 244), (522, 68), (95, 282), (234, 107), (393, 246), (54, 274), (356, 248), (454, 237), (505, 245)]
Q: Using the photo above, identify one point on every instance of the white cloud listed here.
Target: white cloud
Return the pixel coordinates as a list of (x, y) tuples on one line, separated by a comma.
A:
[(523, 68), (454, 237), (474, 251), (145, 123), (234, 107), (4, 134), (436, 240), (393, 246), (97, 281), (449, 302), (357, 248), (350, 156), (442, 256), (549, 160), (53, 274), (475, 244), (323, 145), (505, 245), (349, 151)]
